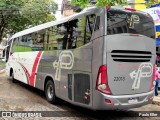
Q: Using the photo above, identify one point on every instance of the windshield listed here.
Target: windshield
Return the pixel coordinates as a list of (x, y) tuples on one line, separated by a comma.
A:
[(119, 21)]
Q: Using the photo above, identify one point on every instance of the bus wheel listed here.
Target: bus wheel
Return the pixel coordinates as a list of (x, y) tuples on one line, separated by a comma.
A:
[(13, 80), (50, 92)]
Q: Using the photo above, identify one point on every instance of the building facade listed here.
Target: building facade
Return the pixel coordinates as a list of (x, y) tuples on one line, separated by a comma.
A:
[(66, 9), (138, 4)]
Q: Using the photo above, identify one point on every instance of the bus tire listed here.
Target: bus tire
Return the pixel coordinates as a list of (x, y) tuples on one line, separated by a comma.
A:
[(13, 79), (50, 92)]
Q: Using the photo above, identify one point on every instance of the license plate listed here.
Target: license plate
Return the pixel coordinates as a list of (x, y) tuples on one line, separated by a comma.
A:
[(132, 100)]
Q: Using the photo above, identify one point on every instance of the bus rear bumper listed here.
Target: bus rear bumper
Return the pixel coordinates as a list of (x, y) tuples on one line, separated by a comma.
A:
[(110, 102)]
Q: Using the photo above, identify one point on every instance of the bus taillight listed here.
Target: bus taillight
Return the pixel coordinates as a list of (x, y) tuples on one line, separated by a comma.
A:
[(130, 9), (134, 35), (108, 7), (148, 15), (102, 81), (153, 78)]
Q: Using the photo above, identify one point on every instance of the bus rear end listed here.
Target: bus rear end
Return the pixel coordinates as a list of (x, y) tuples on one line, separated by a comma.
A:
[(125, 78)]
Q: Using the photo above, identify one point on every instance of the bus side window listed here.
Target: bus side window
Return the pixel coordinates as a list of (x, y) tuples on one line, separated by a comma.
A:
[(28, 43), (124, 28), (53, 37), (78, 32), (61, 37), (18, 45), (90, 23), (49, 38), (35, 42), (97, 25), (119, 29)]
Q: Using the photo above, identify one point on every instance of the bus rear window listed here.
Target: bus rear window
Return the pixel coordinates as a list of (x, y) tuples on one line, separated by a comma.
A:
[(119, 21)]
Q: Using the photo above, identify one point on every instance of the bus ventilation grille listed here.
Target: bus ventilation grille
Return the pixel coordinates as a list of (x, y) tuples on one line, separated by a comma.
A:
[(131, 56)]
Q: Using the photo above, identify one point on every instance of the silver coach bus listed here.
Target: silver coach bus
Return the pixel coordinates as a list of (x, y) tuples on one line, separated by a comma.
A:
[(100, 58)]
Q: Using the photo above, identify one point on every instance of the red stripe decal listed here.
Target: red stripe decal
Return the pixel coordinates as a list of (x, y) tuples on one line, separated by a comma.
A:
[(35, 65)]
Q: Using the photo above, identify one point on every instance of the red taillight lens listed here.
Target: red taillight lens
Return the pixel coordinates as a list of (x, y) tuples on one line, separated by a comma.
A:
[(134, 34), (148, 14), (130, 9), (102, 82), (153, 78), (107, 101), (108, 7)]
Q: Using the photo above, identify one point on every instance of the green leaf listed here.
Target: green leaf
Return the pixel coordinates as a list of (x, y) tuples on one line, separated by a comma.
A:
[(17, 15)]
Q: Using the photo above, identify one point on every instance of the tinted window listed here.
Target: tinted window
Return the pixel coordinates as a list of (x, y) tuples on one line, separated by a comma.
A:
[(119, 21), (36, 40), (18, 45), (89, 27), (97, 23), (53, 38), (30, 42), (80, 31)]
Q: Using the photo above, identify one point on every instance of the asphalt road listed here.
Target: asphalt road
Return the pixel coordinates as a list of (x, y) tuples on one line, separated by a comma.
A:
[(21, 97)]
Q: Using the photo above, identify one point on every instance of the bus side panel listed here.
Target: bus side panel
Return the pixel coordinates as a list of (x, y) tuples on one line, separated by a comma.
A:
[(82, 78), (25, 66), (96, 63), (46, 69), (72, 84), (98, 55)]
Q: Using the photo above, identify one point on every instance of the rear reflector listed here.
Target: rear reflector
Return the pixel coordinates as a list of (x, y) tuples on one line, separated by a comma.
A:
[(107, 101), (102, 81)]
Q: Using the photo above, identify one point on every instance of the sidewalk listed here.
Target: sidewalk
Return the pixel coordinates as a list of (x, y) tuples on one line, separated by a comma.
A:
[(156, 99)]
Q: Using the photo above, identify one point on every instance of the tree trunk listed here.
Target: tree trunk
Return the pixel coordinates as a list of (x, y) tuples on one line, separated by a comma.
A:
[(1, 33)]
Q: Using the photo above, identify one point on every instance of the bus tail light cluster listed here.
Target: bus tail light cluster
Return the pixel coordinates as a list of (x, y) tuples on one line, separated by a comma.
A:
[(153, 78), (102, 81), (108, 7)]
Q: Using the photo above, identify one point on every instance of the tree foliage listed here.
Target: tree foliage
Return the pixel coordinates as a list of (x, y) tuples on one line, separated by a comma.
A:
[(100, 3), (16, 15)]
